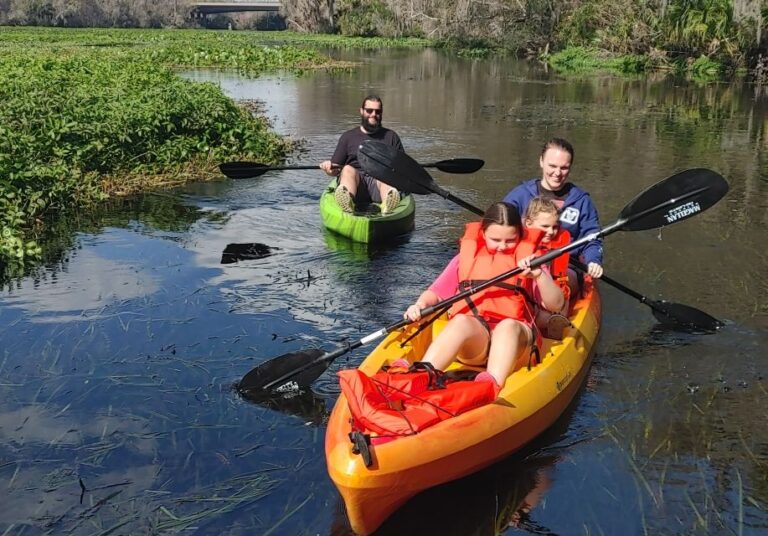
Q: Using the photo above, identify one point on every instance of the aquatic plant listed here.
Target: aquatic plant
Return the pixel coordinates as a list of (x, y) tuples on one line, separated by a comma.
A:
[(76, 128), (582, 59)]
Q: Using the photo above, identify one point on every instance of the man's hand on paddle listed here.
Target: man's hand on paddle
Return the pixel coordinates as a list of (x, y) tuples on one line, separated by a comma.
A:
[(330, 168)]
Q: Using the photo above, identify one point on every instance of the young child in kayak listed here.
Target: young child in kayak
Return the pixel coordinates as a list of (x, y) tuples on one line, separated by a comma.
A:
[(493, 327), (542, 213)]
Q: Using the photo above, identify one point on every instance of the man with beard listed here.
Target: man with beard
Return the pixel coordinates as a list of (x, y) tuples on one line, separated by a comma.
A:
[(355, 186)]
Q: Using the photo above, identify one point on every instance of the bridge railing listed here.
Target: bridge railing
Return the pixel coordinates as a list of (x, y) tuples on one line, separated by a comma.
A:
[(201, 9)]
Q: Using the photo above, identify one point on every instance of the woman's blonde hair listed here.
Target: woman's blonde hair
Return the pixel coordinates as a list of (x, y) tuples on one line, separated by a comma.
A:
[(539, 205)]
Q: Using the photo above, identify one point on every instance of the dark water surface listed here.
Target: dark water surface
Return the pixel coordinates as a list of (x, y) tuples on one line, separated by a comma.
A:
[(116, 409)]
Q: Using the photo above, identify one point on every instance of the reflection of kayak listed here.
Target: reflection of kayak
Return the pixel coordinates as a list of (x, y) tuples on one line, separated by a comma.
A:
[(368, 225), (347, 246), (529, 403), (349, 249)]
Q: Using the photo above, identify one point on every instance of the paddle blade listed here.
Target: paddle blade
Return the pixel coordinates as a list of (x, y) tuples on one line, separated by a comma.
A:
[(674, 199), (394, 167), (243, 170), (459, 165), (683, 317), (264, 374)]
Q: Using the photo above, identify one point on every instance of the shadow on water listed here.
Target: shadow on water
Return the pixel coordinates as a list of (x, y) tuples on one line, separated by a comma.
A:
[(501, 499)]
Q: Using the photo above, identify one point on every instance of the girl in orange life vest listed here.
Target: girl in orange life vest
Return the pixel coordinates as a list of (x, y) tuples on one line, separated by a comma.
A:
[(542, 213), (493, 326)]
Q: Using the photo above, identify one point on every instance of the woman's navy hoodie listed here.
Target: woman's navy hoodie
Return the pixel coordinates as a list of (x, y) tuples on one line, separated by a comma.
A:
[(578, 216)]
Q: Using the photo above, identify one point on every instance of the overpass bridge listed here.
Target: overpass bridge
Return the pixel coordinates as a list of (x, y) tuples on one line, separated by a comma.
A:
[(202, 9)]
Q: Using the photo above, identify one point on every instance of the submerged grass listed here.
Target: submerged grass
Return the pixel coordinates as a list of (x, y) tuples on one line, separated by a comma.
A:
[(224, 498)]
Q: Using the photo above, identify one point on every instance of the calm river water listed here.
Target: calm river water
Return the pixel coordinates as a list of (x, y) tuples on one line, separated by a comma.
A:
[(116, 409)]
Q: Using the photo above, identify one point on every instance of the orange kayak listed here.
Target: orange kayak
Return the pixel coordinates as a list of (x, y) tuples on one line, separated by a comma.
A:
[(530, 402)]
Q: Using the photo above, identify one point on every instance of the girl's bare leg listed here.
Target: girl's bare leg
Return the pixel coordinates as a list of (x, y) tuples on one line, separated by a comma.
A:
[(508, 341), (463, 335)]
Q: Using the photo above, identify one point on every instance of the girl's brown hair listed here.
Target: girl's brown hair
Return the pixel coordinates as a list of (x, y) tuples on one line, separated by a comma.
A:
[(502, 214)]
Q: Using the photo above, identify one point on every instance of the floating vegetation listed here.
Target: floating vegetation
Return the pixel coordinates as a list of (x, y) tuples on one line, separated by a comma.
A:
[(586, 60), (80, 124)]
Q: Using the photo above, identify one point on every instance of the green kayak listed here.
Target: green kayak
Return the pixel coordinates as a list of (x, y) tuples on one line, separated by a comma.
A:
[(367, 225)]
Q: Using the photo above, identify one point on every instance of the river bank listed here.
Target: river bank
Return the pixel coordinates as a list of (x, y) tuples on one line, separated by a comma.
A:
[(90, 114)]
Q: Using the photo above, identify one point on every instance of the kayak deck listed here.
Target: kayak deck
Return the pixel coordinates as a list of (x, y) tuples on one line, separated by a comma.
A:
[(368, 225), (530, 402)]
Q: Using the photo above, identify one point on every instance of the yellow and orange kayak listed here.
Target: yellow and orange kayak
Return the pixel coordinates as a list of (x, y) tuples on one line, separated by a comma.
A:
[(530, 401)]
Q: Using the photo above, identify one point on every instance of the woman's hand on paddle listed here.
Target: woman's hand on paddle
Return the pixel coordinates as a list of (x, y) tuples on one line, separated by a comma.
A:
[(595, 270), (525, 265)]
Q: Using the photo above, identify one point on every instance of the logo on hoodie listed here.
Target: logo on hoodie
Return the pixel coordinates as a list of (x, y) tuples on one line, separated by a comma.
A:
[(570, 215)]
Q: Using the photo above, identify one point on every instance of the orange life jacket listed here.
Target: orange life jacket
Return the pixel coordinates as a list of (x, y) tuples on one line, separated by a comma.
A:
[(508, 299), (401, 402), (558, 268)]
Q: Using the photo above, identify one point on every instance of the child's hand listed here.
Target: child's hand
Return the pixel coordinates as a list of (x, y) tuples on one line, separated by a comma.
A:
[(413, 313), (595, 270), (525, 264)]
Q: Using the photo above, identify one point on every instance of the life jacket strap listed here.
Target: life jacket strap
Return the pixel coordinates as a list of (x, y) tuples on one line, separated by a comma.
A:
[(469, 283), (534, 356)]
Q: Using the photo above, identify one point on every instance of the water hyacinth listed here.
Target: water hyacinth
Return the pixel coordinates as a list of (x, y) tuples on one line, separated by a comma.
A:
[(79, 125), (96, 112)]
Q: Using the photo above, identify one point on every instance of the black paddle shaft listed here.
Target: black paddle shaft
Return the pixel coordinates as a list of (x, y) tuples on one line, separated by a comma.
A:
[(673, 314), (249, 170)]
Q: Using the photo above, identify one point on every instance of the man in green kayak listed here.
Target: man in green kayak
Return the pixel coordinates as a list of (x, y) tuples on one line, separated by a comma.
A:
[(354, 184)]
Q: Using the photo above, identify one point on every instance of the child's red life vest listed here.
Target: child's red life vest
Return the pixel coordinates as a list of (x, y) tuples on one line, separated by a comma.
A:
[(558, 267), (508, 299)]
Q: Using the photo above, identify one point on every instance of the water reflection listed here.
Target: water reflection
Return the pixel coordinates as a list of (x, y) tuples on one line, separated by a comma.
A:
[(87, 284)]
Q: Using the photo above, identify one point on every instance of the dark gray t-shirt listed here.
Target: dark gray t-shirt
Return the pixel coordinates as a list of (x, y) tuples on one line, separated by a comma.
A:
[(350, 141)]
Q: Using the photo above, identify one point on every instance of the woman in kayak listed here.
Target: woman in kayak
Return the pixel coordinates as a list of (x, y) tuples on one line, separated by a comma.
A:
[(493, 327), (578, 214)]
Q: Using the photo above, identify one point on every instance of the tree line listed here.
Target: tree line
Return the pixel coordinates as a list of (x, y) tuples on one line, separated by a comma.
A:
[(96, 13)]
